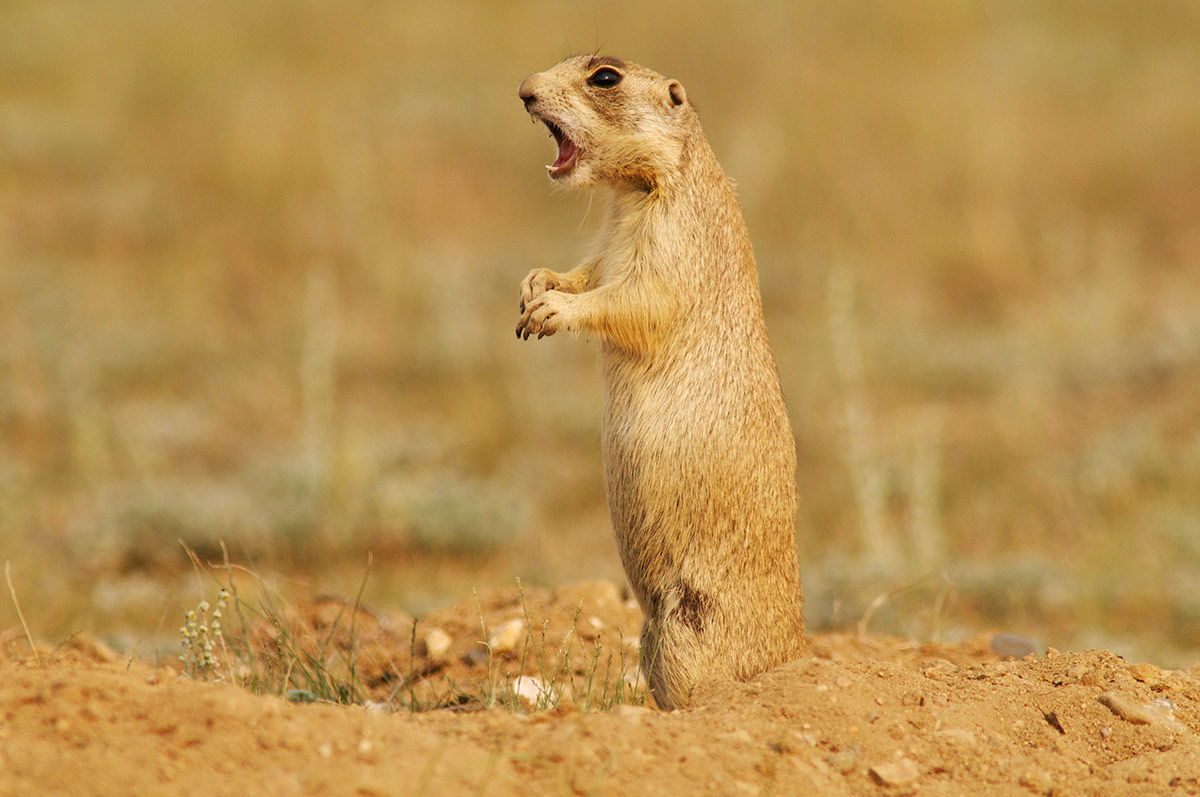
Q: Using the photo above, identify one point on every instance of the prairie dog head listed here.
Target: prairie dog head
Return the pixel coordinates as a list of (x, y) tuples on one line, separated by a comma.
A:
[(615, 122)]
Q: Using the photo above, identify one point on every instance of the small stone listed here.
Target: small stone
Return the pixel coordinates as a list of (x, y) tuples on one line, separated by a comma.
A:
[(633, 714), (1137, 713), (1036, 781), (504, 637), (895, 773), (1143, 672), (844, 761), (1126, 709), (958, 737), (939, 668), (529, 689), (437, 642), (1149, 675), (740, 735)]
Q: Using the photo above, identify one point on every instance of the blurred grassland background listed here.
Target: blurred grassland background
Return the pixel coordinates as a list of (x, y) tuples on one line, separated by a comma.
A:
[(258, 273)]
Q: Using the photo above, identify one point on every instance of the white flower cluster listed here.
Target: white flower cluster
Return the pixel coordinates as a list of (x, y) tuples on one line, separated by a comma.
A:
[(202, 636)]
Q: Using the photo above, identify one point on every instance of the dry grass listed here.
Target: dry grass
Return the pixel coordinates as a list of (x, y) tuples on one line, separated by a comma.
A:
[(258, 268), (337, 650)]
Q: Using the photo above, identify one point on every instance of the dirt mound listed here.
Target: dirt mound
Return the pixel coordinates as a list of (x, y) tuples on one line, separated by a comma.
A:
[(862, 716)]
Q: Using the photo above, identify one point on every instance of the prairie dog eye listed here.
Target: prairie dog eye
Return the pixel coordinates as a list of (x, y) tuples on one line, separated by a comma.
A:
[(604, 78)]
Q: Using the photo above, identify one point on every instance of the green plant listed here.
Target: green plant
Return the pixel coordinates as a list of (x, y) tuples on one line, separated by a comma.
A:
[(269, 654)]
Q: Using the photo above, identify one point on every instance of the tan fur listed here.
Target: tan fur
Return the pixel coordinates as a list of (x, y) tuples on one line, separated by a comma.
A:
[(698, 452)]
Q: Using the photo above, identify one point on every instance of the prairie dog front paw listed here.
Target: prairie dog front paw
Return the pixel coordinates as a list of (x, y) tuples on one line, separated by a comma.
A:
[(538, 282), (546, 314)]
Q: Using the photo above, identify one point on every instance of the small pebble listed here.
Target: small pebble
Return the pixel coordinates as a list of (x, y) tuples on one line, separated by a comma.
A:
[(1139, 714), (958, 737), (437, 642), (895, 773), (844, 761), (1143, 672), (505, 636), (529, 689), (1037, 781), (633, 714)]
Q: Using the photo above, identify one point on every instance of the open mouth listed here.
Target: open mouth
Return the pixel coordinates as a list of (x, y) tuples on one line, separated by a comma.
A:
[(568, 153)]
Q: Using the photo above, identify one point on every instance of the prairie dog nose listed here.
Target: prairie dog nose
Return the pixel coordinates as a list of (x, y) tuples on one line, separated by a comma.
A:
[(525, 92)]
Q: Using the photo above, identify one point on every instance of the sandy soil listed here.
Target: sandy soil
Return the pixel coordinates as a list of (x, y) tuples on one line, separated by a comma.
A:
[(862, 716)]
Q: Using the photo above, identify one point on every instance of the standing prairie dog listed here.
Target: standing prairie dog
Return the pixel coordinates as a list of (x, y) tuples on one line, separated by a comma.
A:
[(698, 452)]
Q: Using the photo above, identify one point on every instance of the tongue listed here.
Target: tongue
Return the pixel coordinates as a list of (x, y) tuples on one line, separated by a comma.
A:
[(566, 151)]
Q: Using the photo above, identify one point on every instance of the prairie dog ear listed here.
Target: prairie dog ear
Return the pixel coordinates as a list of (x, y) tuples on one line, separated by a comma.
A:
[(676, 93)]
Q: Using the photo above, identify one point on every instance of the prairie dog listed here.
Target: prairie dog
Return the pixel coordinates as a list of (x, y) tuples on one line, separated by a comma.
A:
[(699, 456)]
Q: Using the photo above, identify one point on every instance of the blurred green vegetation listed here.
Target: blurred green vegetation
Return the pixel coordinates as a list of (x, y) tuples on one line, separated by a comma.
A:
[(258, 270)]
